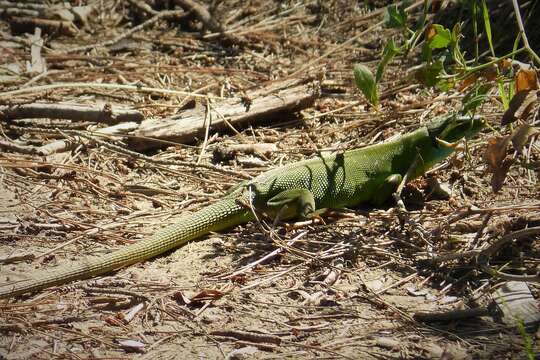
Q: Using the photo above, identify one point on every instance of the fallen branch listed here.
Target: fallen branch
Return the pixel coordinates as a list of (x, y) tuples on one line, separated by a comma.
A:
[(67, 144), (27, 24), (257, 106), (23, 149), (248, 336), (76, 112)]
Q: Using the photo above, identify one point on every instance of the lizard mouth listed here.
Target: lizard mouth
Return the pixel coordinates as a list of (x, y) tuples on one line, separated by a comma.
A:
[(454, 128)]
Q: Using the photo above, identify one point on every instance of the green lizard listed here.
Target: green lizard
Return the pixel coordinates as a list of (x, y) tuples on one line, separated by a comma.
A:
[(297, 190)]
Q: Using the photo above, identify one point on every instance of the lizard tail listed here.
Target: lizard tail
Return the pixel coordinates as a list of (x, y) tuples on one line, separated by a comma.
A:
[(219, 216)]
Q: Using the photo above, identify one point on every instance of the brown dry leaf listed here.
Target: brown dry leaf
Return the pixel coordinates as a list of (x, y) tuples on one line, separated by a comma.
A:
[(490, 74), (520, 106), (499, 175), (504, 64), (498, 163), (207, 294), (496, 151), (521, 135), (181, 298), (526, 80), (430, 32), (468, 81)]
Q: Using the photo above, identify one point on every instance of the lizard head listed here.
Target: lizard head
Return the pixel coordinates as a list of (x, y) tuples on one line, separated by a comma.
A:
[(453, 128)]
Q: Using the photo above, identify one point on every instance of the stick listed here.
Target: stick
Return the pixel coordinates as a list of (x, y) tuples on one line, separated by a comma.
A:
[(82, 85), (265, 104), (77, 112), (66, 144)]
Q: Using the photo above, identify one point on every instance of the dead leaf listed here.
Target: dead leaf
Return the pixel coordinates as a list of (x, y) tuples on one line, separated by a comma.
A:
[(498, 163), (526, 80), (521, 135), (468, 81), (181, 298), (520, 106), (207, 294), (499, 175), (430, 32), (504, 64), (489, 74), (496, 151)]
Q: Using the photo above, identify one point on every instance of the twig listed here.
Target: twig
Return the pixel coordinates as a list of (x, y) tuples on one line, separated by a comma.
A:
[(66, 144), (155, 18), (143, 6), (21, 328), (483, 257), (249, 336), (21, 23), (473, 210), (208, 122), (23, 5), (265, 280), (522, 32), (23, 149), (162, 162), (81, 85), (264, 258), (397, 283), (451, 315), (76, 112), (112, 291)]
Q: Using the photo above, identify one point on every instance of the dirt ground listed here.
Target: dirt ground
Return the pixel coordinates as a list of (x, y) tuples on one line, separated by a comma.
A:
[(348, 288)]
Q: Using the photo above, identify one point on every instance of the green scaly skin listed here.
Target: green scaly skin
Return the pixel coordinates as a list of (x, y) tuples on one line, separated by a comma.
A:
[(296, 190)]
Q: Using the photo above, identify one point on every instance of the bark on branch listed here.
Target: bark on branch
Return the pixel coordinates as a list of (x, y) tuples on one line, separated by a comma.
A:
[(104, 114), (261, 105)]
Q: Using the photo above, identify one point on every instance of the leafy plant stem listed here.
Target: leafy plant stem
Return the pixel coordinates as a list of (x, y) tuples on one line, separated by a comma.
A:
[(488, 64)]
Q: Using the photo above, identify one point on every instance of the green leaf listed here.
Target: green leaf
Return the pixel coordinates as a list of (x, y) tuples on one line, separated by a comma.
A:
[(427, 53), (366, 83), (395, 17), (487, 26), (390, 50), (474, 98), (445, 84), (442, 37), (428, 74)]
